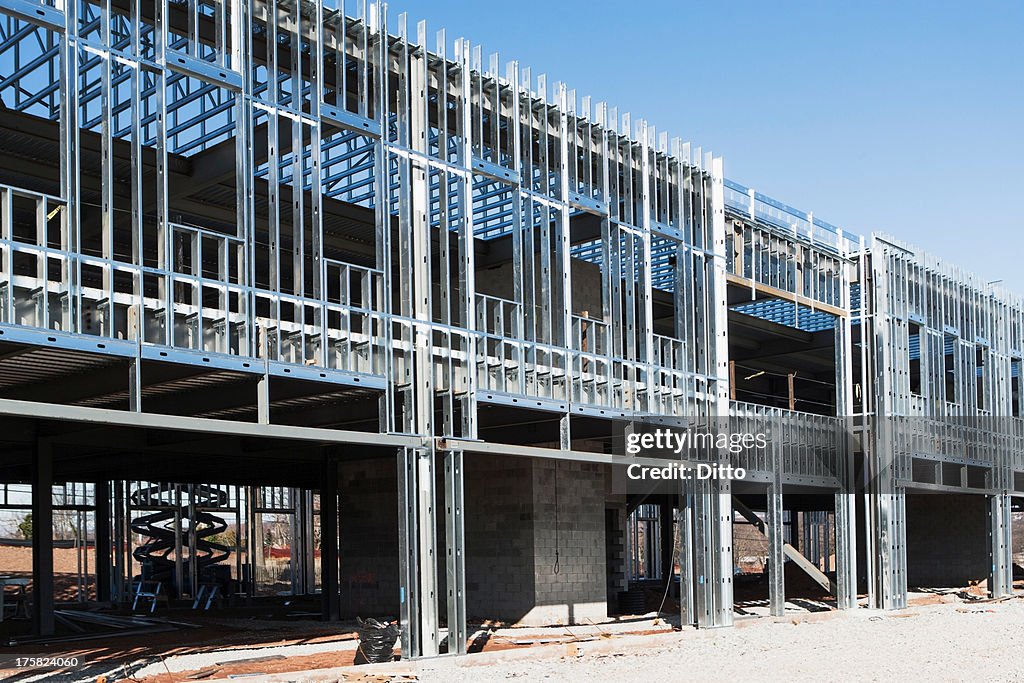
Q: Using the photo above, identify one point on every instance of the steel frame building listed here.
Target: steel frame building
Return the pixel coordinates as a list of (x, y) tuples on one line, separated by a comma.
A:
[(277, 232)]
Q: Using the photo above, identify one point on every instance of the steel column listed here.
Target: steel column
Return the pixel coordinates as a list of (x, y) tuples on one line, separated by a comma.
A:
[(329, 574), (43, 622), (102, 535), (776, 551), (455, 544)]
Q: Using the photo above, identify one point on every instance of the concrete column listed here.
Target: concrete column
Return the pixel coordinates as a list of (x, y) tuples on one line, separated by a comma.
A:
[(329, 539), (42, 540)]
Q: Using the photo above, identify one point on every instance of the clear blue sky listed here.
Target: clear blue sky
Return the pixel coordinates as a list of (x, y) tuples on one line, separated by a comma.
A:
[(900, 117)]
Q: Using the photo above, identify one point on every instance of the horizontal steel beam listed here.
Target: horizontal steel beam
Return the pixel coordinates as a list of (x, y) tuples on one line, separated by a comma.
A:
[(122, 418)]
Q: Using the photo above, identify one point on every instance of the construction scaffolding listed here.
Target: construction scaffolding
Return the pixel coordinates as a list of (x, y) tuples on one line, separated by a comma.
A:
[(247, 245)]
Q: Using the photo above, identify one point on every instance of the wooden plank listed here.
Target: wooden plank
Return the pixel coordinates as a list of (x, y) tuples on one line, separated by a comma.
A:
[(777, 293)]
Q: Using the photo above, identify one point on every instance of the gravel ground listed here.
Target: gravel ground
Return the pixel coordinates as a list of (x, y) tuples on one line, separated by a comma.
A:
[(949, 642), (940, 639)]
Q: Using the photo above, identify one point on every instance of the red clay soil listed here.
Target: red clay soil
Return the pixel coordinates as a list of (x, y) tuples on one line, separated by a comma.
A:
[(927, 599), (277, 666), (330, 660), (16, 561), (209, 637)]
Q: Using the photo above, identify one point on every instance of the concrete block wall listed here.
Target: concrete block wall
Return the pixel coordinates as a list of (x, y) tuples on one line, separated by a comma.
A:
[(1017, 542), (499, 537), (616, 540), (368, 545), (570, 556), (947, 539), (512, 537)]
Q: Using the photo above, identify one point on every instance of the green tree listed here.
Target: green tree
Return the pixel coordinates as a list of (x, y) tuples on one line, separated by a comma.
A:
[(25, 527)]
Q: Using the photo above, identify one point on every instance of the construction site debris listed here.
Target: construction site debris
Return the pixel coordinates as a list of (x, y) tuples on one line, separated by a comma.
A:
[(376, 641), (94, 626)]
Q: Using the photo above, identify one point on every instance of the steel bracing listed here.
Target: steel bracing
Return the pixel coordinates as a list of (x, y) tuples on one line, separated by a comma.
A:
[(282, 189)]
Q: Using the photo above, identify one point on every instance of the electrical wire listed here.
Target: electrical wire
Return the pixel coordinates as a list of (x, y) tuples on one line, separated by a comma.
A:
[(670, 571), (556, 568), (760, 371)]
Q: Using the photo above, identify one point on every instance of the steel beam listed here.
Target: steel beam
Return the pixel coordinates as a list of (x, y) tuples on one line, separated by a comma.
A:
[(120, 418), (43, 623)]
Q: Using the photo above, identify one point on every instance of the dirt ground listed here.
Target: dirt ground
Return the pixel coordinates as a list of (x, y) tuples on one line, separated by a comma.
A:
[(953, 641), (279, 637), (942, 636), (119, 656), (16, 561)]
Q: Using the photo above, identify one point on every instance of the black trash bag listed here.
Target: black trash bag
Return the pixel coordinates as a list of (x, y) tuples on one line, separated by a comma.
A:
[(376, 641)]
